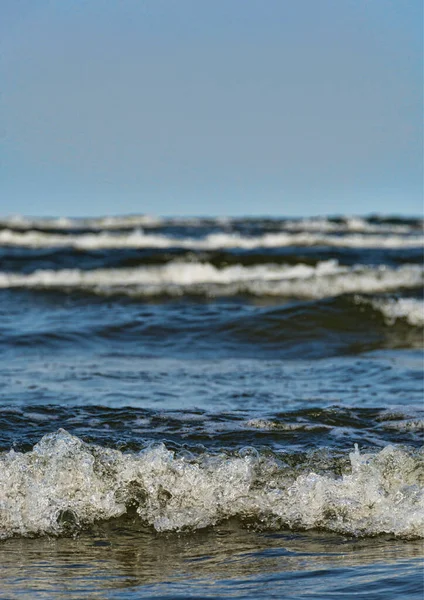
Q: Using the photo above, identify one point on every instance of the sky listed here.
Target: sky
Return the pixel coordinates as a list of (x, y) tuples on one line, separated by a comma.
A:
[(211, 107)]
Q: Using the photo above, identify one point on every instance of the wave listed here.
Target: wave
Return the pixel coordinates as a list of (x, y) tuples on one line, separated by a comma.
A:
[(394, 309), (305, 429), (311, 329), (137, 238), (18, 222), (325, 327), (351, 224), (327, 278), (64, 484), (375, 224)]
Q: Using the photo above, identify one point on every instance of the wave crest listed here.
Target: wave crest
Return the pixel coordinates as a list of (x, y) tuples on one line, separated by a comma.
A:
[(326, 279), (64, 484), (137, 238)]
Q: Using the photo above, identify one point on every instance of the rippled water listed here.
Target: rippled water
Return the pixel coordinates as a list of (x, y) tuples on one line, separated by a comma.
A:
[(211, 408)]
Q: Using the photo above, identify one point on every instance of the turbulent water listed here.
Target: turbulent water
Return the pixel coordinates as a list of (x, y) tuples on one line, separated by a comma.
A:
[(211, 407)]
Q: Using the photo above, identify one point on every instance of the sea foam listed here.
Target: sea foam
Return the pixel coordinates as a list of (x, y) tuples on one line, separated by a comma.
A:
[(64, 484), (394, 309), (137, 238), (176, 278)]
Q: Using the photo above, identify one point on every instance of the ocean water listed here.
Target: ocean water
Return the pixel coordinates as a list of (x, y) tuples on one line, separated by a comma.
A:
[(211, 408)]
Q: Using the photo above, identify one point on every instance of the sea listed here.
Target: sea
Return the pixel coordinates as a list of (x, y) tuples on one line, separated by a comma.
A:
[(211, 408)]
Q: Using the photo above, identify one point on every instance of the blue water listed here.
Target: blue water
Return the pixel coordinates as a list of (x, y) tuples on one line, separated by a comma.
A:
[(211, 408)]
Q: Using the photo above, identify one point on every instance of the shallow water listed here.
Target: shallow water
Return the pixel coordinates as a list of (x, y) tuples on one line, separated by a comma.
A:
[(119, 560), (211, 408)]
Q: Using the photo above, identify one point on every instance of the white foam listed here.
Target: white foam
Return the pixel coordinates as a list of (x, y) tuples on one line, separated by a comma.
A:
[(393, 309), (214, 241), (410, 425), (107, 222), (64, 483), (327, 278), (267, 424), (348, 224)]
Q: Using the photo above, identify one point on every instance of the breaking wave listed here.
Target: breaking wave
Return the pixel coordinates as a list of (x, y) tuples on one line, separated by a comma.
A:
[(137, 238), (327, 278), (64, 484), (394, 309)]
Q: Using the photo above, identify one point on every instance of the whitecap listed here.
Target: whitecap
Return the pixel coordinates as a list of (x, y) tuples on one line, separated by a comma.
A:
[(394, 309), (137, 238), (176, 278), (64, 484)]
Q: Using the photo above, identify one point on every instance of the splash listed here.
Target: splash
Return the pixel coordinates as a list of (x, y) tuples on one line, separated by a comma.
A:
[(64, 484)]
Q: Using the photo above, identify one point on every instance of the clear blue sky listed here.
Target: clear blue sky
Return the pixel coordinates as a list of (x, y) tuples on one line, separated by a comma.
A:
[(177, 107)]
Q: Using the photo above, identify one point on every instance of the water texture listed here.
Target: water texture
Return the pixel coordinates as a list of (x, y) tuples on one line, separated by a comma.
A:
[(211, 407)]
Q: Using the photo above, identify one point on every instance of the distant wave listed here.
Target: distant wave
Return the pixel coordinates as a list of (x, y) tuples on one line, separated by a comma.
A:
[(213, 241), (327, 278), (64, 485), (350, 224), (317, 224), (19, 222)]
